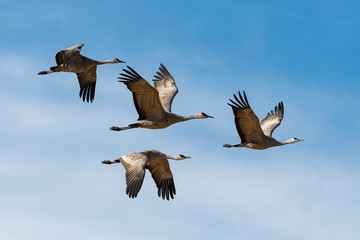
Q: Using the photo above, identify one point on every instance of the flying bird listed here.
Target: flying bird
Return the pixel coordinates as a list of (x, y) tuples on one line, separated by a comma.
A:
[(70, 60), (158, 165), (254, 134), (153, 104)]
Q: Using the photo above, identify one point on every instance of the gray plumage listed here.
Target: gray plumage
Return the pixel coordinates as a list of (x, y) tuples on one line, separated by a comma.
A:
[(158, 165), (70, 60), (153, 104), (164, 83), (254, 134)]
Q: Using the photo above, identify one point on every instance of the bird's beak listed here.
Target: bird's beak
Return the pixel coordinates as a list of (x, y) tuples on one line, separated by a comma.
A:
[(210, 116), (186, 157)]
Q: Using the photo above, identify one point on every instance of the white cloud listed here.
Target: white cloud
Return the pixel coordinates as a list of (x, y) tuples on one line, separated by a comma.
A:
[(282, 198), (55, 185)]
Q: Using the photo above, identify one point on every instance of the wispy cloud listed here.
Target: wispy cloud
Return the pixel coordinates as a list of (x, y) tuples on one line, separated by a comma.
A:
[(53, 185)]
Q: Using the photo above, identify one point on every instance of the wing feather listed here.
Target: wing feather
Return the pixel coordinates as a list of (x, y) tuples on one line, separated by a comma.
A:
[(64, 55), (246, 122), (272, 120), (60, 58), (87, 82), (146, 98), (161, 173), (134, 165), (165, 84)]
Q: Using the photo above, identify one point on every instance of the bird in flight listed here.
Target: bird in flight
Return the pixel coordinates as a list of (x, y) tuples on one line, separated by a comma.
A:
[(70, 60), (153, 104), (157, 163), (254, 134)]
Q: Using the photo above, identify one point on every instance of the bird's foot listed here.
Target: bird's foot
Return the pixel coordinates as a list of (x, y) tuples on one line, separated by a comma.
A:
[(106, 162), (227, 145), (114, 128)]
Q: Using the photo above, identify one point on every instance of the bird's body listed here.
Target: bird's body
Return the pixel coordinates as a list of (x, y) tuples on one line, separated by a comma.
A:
[(157, 123), (153, 104), (70, 60), (157, 163), (254, 134), (265, 143)]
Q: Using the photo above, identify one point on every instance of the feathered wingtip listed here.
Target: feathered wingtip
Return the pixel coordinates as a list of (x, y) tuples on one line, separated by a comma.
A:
[(163, 74), (168, 191), (242, 103), (281, 108), (87, 92), (131, 75), (278, 110)]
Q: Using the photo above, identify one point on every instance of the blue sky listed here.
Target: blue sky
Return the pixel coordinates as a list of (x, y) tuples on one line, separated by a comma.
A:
[(304, 53)]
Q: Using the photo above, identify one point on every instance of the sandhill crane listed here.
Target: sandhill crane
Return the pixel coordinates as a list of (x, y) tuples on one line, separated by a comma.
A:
[(70, 60), (153, 104), (253, 134), (158, 165)]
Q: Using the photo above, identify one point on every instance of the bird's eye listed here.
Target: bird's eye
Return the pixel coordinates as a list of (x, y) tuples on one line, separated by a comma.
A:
[(295, 138), (204, 114), (181, 155)]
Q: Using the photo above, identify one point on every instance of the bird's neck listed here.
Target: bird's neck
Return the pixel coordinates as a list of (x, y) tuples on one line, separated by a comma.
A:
[(174, 157), (113, 60), (178, 118), (194, 116)]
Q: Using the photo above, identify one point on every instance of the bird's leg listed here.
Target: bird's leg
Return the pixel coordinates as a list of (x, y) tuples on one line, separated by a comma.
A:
[(110, 162), (227, 145), (45, 72), (230, 146), (115, 128), (53, 69)]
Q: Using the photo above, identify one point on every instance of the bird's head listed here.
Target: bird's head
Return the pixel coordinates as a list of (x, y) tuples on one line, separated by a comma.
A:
[(203, 115), (118, 60), (181, 157), (294, 140)]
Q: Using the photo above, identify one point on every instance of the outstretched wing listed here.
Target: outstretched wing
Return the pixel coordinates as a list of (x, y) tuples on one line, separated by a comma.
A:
[(66, 54), (164, 83), (146, 98), (161, 173), (87, 82), (246, 122), (134, 164), (272, 120)]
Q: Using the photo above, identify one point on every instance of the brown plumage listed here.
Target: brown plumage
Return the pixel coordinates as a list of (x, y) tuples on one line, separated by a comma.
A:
[(153, 104), (254, 134), (158, 165), (70, 60)]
